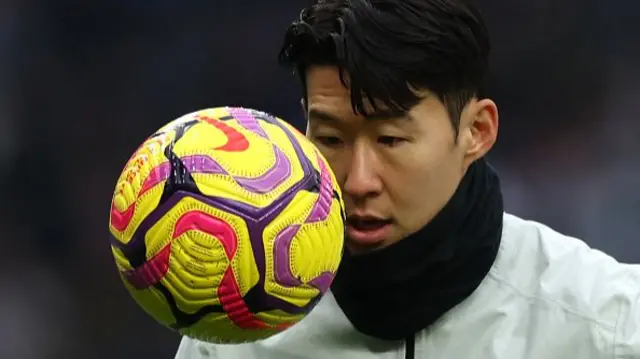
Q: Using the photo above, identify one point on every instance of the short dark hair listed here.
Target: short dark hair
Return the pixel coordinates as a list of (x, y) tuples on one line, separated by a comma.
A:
[(389, 48)]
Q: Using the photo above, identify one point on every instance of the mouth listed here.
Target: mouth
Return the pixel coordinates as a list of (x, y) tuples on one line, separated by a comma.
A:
[(367, 231)]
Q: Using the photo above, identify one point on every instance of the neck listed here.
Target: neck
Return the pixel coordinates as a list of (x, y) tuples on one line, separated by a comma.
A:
[(402, 289)]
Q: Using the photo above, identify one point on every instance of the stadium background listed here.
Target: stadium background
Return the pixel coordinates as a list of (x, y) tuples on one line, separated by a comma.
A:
[(82, 83)]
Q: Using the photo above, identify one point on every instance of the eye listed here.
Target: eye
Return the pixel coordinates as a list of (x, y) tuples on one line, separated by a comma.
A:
[(390, 141), (329, 141)]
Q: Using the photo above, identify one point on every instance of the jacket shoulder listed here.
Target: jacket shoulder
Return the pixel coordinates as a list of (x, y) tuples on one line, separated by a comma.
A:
[(556, 270)]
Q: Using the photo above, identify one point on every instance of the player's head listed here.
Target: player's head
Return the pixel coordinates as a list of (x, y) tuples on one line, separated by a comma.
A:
[(392, 90)]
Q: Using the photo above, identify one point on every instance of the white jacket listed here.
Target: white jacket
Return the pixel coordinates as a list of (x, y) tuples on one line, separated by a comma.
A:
[(547, 296)]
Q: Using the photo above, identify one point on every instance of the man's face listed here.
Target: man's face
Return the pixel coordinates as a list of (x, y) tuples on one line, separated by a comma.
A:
[(396, 170)]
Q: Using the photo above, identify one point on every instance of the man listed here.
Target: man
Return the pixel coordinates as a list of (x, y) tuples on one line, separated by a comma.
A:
[(433, 268)]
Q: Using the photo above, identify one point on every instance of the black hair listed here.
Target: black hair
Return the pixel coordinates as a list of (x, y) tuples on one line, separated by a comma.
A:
[(388, 49)]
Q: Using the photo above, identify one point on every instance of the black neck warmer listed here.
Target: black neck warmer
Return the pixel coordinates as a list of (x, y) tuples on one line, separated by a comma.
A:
[(396, 292)]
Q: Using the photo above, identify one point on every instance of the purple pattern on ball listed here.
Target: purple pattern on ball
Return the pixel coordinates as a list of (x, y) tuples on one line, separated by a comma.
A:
[(264, 183), (272, 178), (282, 243), (246, 119)]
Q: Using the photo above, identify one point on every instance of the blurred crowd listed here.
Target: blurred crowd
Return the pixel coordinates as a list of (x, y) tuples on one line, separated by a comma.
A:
[(82, 83)]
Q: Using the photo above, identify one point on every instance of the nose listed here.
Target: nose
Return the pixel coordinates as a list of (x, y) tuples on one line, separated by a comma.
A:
[(363, 179)]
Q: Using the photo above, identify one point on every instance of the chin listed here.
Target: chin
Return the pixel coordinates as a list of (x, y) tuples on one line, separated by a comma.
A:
[(357, 249)]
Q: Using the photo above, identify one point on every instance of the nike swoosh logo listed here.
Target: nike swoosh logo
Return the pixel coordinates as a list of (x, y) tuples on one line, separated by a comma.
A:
[(236, 141)]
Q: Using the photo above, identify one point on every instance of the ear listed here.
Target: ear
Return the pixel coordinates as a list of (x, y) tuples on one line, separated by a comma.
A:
[(482, 126)]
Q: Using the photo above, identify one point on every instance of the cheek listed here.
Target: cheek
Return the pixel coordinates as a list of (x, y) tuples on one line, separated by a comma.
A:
[(411, 187), (415, 160), (423, 185)]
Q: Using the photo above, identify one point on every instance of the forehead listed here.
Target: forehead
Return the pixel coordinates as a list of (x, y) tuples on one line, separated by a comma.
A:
[(325, 77), (324, 87), (326, 94)]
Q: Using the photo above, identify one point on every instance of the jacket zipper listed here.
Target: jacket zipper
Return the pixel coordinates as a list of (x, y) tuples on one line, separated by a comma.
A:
[(410, 347)]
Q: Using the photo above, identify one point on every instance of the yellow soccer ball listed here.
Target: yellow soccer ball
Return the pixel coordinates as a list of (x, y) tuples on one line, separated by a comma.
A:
[(227, 225)]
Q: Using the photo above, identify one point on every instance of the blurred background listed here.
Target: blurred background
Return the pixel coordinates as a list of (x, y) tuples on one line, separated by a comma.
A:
[(82, 83)]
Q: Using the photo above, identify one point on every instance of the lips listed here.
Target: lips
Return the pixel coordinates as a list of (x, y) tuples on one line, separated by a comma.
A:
[(367, 230), (366, 223)]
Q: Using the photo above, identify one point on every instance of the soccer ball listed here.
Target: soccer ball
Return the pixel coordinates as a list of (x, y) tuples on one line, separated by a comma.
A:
[(227, 225)]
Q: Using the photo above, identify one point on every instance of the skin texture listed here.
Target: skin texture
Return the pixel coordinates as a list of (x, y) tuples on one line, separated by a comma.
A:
[(401, 167)]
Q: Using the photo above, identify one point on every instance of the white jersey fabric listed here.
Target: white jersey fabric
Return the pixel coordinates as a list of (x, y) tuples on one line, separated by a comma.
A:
[(547, 296)]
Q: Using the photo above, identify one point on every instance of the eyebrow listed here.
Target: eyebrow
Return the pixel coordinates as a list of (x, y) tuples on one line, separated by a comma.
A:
[(375, 116)]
